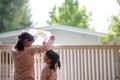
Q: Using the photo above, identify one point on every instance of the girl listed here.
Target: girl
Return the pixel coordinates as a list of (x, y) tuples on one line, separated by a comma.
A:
[(23, 55), (52, 62)]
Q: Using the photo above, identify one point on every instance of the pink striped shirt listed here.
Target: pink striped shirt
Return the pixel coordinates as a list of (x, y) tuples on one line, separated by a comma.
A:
[(24, 61)]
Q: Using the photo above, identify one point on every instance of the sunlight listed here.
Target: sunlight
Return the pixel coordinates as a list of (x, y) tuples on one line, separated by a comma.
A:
[(101, 9), (40, 10)]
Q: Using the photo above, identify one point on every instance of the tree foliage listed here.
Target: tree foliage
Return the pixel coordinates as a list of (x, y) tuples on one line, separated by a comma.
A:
[(118, 1), (14, 15), (70, 14), (114, 32)]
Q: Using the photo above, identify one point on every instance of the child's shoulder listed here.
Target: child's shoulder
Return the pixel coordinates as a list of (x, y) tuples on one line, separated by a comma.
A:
[(47, 69), (13, 50)]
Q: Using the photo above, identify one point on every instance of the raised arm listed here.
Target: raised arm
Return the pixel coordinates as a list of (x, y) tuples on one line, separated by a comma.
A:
[(49, 44), (46, 46)]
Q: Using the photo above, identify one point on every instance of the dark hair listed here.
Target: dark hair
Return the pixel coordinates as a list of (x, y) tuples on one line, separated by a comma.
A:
[(25, 35), (55, 59)]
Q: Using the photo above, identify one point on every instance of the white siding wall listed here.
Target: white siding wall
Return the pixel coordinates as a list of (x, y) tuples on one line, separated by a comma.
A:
[(68, 38), (63, 38)]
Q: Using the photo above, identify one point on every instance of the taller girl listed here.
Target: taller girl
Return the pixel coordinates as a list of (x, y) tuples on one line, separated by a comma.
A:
[(23, 55)]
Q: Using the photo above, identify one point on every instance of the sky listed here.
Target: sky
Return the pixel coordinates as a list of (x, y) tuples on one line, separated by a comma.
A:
[(101, 11)]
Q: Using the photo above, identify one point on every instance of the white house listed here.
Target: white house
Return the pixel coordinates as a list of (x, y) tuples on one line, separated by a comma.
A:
[(65, 35)]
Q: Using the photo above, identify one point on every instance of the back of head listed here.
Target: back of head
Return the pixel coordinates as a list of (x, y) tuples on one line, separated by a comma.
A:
[(25, 35), (54, 57)]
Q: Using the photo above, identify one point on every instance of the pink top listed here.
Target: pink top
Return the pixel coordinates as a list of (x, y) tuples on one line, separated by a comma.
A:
[(24, 61), (48, 74)]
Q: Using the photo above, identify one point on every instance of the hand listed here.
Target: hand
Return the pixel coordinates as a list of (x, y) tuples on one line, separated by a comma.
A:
[(44, 42), (52, 37)]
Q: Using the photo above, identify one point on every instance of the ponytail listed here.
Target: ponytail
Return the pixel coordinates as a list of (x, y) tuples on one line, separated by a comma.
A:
[(52, 66), (19, 46), (59, 64)]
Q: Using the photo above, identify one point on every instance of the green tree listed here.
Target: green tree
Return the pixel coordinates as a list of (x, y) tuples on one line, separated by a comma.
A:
[(70, 14), (113, 32), (14, 15), (118, 1)]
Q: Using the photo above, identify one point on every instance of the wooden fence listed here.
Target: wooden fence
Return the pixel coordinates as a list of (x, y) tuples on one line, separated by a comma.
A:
[(89, 62)]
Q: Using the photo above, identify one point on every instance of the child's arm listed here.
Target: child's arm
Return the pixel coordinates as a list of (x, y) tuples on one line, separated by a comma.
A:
[(44, 47), (49, 44)]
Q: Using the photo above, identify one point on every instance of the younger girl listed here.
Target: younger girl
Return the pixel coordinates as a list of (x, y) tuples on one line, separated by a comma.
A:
[(49, 72), (23, 55)]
